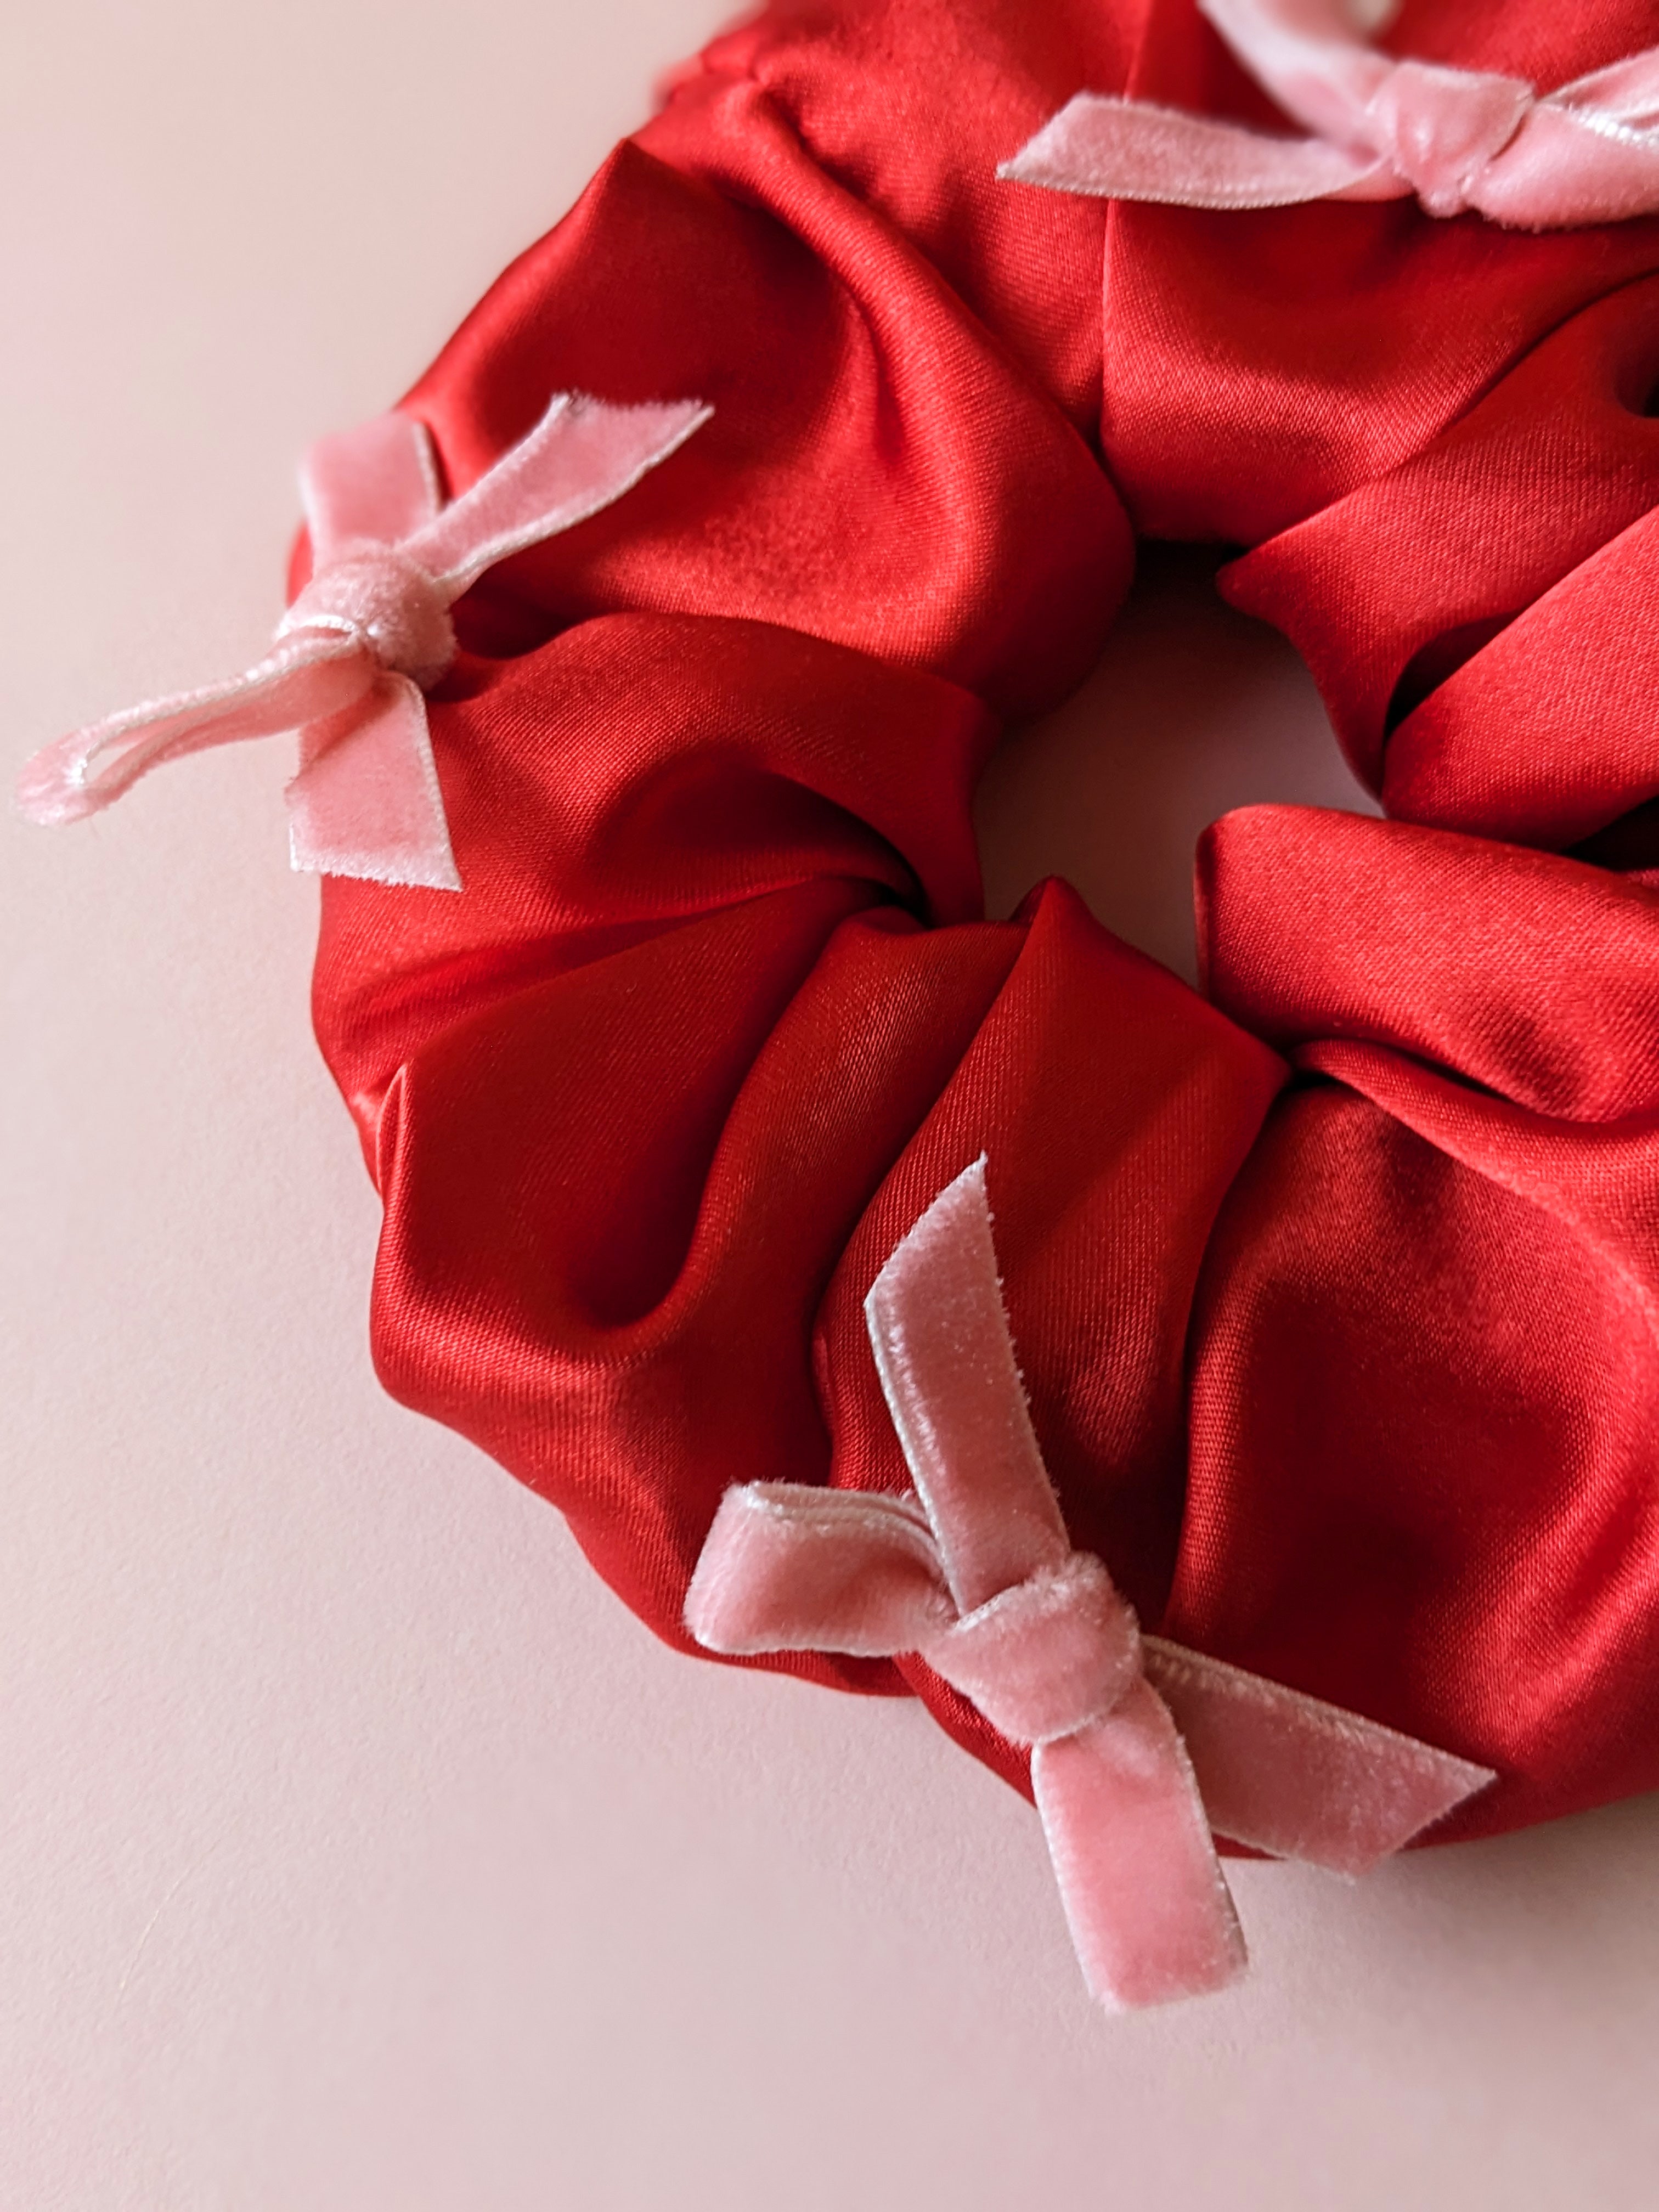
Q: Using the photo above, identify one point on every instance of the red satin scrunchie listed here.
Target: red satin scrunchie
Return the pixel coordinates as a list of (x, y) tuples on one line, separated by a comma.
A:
[(1334, 1286)]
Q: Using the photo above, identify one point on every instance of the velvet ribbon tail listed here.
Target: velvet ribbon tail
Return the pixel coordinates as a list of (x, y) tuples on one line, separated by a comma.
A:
[(366, 802), (1150, 1916), (582, 456), (1131, 150)]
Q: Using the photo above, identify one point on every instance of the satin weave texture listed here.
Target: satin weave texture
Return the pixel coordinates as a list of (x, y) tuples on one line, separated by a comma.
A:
[(1335, 1283)]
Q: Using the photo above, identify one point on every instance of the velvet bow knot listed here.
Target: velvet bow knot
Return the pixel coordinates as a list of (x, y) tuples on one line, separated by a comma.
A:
[(384, 603), (371, 633), (1139, 1747), (1439, 129), (1046, 1657), (1458, 139)]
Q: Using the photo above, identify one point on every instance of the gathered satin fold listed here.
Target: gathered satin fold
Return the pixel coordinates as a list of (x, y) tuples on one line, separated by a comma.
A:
[(1459, 139), (1138, 1748), (370, 633)]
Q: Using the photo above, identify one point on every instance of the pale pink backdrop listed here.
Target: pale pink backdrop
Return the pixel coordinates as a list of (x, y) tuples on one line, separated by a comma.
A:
[(360, 1853)]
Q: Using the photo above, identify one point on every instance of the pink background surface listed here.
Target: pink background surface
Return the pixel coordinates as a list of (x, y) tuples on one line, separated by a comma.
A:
[(360, 1853)]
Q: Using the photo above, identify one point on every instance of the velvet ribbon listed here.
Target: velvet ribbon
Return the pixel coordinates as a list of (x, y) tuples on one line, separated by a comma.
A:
[(371, 633), (975, 1572), (1459, 139)]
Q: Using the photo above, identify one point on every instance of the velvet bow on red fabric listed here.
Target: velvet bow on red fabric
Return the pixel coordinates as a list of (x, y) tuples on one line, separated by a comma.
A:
[(976, 1573), (370, 632), (1458, 139)]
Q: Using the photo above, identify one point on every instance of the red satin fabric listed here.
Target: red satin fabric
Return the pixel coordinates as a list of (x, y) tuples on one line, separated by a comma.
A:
[(1334, 1289)]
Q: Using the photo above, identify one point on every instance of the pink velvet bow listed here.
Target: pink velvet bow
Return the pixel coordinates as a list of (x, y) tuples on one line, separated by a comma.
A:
[(1459, 139), (371, 632), (976, 1572)]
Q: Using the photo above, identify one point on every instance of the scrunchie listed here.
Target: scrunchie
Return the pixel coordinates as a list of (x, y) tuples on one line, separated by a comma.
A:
[(1334, 1284)]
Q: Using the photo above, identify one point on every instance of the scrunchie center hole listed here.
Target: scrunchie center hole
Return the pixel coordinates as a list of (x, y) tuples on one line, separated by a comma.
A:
[(1192, 710)]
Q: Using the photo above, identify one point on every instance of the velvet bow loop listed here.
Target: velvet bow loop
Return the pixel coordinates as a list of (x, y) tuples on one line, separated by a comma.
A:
[(786, 1568), (977, 1574), (371, 633), (1458, 140)]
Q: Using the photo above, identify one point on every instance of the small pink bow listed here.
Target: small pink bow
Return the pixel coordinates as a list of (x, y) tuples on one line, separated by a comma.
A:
[(371, 632), (1459, 139), (976, 1572)]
